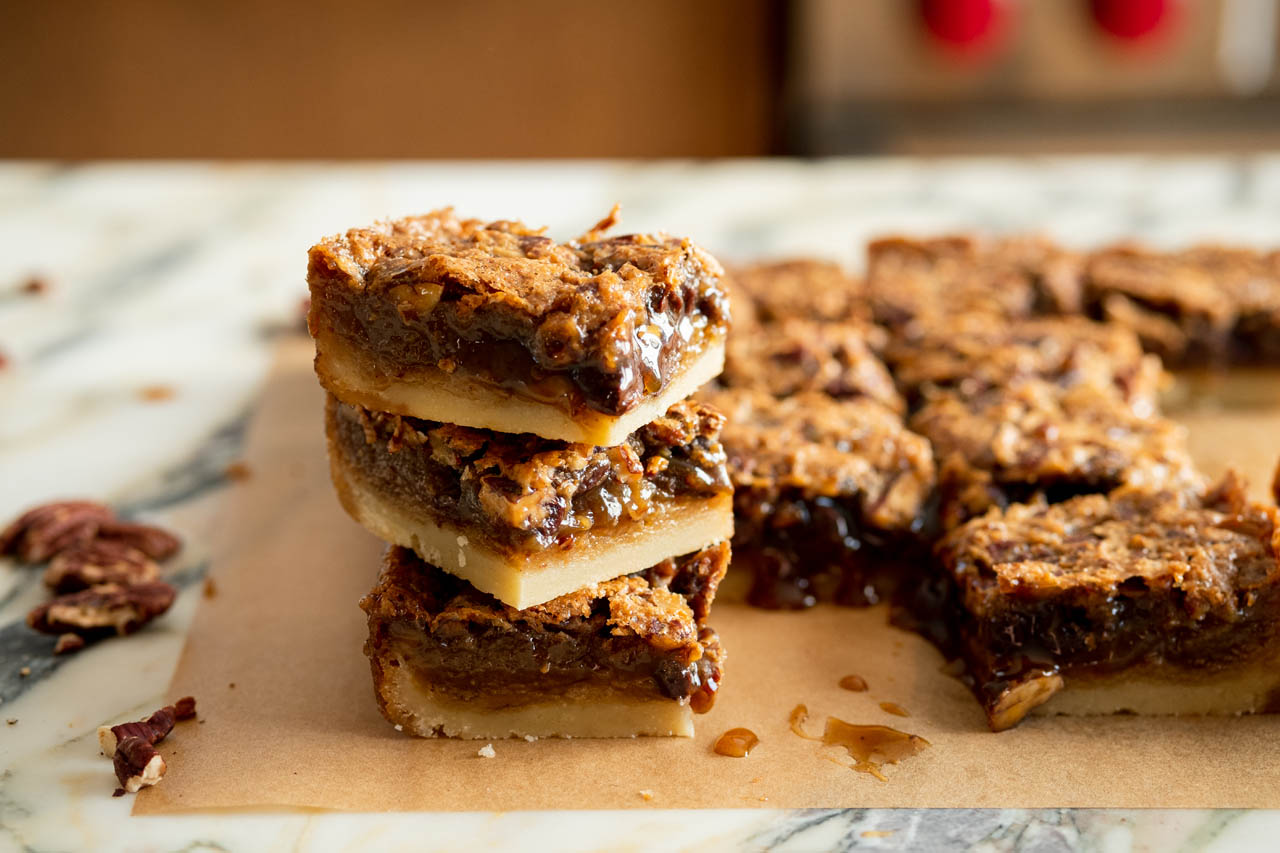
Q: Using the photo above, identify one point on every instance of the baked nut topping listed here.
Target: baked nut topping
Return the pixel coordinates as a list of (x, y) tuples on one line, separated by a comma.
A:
[(831, 496), (974, 353), (794, 356), (1034, 437), (913, 281), (815, 446), (802, 289)]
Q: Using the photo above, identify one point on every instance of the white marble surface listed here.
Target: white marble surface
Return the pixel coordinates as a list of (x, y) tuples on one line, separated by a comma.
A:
[(184, 275)]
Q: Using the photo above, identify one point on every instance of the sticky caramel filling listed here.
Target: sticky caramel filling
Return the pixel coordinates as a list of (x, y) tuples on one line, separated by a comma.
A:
[(1113, 633), (606, 498), (398, 334), (490, 669), (804, 550)]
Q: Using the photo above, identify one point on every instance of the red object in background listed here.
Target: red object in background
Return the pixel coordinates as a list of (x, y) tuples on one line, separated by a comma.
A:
[(1129, 19), (969, 27)]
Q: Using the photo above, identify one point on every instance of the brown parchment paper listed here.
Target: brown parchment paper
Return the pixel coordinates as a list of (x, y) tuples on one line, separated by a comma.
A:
[(275, 660)]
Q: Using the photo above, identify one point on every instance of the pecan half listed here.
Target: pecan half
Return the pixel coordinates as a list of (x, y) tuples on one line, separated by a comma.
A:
[(41, 532), (156, 543), (106, 609), (97, 562)]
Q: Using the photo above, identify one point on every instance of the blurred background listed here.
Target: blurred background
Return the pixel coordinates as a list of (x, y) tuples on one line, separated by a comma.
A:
[(648, 78)]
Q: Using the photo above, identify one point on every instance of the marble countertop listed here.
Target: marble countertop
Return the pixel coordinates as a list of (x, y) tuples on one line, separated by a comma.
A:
[(184, 276)]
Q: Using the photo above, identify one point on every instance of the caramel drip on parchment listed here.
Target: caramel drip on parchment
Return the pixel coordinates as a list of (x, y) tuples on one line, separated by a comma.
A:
[(737, 743), (861, 742)]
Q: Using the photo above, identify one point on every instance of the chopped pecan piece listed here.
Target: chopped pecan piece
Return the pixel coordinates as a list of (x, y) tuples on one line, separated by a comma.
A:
[(100, 561), (153, 729), (184, 708), (68, 643), (137, 764), (1020, 698), (103, 610), (41, 532)]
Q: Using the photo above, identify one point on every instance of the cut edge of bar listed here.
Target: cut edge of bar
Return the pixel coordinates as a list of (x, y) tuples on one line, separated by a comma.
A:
[(551, 573), (437, 396)]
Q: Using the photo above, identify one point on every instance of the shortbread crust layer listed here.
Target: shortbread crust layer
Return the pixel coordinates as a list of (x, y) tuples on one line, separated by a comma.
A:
[(597, 712)]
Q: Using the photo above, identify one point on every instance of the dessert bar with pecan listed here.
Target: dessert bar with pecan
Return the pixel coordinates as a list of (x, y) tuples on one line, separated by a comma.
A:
[(801, 289), (626, 657), (524, 518), (911, 281), (1141, 601), (1035, 437), (1207, 305), (497, 326), (973, 353), (831, 496), (793, 355)]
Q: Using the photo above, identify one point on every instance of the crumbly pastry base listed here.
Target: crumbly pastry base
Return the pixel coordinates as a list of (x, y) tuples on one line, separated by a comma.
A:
[(1253, 689), (452, 398), (583, 712), (539, 577)]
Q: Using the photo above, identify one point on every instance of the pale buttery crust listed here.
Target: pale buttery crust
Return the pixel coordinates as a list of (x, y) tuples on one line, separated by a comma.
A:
[(523, 580), (580, 712), (1154, 691), (457, 399)]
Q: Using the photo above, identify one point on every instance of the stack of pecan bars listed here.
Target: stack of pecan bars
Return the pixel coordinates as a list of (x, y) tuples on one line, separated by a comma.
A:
[(976, 425), (511, 414)]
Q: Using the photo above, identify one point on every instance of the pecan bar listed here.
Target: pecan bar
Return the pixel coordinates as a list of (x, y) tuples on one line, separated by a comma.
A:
[(1204, 305), (801, 289), (831, 496), (973, 353), (630, 656), (804, 355), (1150, 602), (524, 518), (1036, 438), (911, 281), (496, 326)]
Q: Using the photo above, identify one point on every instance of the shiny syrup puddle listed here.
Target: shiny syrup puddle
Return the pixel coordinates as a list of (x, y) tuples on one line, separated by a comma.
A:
[(855, 683), (863, 743), (736, 743)]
